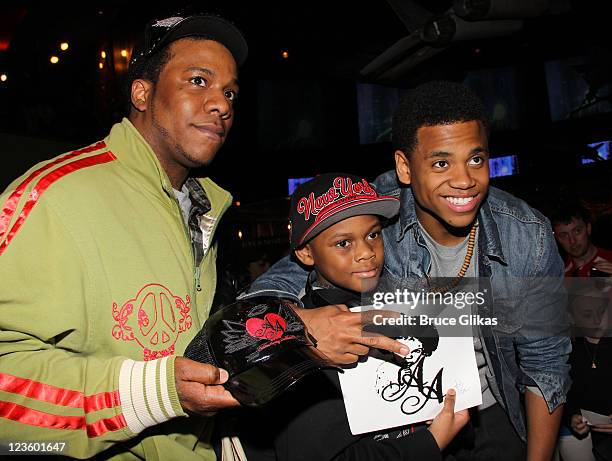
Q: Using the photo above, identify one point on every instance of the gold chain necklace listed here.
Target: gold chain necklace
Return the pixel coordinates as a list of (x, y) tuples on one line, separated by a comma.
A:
[(464, 267), (593, 354)]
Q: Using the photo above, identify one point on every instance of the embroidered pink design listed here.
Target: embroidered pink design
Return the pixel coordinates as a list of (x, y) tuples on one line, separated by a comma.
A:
[(271, 327), (160, 318), (344, 189)]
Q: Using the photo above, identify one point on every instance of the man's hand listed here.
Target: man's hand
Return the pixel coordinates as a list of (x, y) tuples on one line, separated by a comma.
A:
[(603, 265), (339, 333), (579, 425), (199, 387), (447, 423)]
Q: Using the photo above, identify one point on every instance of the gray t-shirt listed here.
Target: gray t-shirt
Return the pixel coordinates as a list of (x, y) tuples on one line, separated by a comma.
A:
[(446, 262)]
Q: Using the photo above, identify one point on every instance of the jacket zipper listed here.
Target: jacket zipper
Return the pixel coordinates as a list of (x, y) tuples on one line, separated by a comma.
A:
[(196, 269), (197, 278)]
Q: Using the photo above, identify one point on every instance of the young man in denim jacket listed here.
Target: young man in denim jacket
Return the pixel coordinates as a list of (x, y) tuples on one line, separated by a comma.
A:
[(441, 152)]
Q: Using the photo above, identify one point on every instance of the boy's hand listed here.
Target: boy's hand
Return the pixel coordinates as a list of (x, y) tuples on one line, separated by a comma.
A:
[(199, 387), (447, 423), (339, 333), (579, 425)]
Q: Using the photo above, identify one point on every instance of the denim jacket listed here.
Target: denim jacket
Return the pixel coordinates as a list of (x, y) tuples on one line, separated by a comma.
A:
[(517, 253)]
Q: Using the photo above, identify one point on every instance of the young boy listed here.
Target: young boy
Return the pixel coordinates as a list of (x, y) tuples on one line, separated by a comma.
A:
[(336, 230)]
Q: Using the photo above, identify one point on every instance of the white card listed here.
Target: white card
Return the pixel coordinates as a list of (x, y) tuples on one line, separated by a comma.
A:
[(381, 395), (595, 419)]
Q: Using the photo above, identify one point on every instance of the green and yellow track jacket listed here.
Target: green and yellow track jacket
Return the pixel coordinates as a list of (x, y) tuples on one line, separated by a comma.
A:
[(98, 294)]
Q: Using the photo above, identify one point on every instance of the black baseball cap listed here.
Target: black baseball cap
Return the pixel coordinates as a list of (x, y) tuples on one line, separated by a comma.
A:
[(330, 198), (262, 344), (161, 32)]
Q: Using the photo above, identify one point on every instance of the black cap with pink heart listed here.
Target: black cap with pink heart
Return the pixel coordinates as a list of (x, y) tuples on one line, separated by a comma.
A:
[(262, 344)]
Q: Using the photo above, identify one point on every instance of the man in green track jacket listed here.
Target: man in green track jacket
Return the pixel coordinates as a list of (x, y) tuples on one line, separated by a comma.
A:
[(107, 266)]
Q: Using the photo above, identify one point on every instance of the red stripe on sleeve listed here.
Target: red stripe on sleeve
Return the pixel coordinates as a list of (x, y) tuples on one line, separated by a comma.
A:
[(103, 426), (102, 400), (40, 391), (31, 417), (44, 184), (24, 415), (11, 204), (58, 395)]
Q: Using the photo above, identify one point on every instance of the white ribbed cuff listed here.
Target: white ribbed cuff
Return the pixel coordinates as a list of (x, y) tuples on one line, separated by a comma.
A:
[(143, 389)]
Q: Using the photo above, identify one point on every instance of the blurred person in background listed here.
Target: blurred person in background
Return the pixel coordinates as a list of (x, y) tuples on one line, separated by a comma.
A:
[(591, 373), (572, 227)]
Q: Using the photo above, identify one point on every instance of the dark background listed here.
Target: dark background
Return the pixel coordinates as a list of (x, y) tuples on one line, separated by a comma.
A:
[(299, 116)]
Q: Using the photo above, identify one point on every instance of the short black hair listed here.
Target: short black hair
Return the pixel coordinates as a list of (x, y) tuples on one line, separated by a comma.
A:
[(430, 104), (151, 67), (566, 212)]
